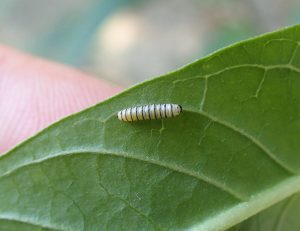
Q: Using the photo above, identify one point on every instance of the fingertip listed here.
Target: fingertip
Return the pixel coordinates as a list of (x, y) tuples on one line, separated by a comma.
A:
[(34, 93)]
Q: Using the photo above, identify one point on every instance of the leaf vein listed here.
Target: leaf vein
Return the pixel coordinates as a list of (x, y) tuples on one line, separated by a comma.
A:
[(256, 142), (172, 167)]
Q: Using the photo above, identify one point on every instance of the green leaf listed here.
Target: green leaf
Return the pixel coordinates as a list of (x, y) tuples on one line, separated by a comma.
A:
[(233, 152)]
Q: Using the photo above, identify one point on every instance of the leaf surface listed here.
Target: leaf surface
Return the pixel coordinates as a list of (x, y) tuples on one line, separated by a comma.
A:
[(280, 217), (233, 152)]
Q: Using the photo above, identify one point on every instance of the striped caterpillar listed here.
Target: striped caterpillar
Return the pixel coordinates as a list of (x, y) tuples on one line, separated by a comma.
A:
[(149, 112)]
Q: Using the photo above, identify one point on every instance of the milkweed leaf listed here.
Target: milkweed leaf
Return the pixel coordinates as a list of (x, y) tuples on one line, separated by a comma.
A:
[(233, 151)]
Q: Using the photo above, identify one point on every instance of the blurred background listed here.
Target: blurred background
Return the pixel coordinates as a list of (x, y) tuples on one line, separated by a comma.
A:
[(128, 41)]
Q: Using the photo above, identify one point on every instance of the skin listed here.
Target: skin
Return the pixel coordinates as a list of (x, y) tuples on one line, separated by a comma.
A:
[(35, 93)]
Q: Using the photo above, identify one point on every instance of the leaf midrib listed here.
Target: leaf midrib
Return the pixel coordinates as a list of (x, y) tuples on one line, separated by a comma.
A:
[(29, 222)]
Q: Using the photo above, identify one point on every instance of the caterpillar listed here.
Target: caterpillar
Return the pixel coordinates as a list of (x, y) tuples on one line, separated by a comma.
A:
[(149, 112)]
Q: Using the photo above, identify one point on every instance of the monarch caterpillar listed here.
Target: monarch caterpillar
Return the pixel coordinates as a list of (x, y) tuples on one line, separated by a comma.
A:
[(149, 112)]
